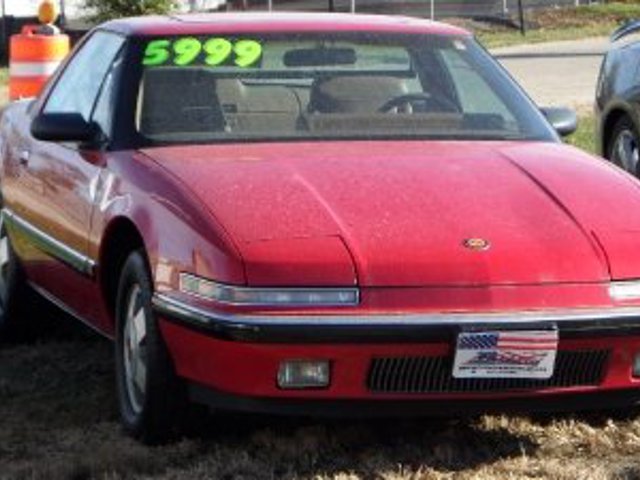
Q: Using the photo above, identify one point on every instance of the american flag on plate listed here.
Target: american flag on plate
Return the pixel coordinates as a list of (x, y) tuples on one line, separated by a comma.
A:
[(506, 354), (530, 340)]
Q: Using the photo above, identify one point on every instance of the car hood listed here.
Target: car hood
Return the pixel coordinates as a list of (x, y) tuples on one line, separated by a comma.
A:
[(383, 213)]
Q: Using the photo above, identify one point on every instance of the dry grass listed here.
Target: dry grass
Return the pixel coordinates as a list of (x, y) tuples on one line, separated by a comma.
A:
[(566, 23), (584, 136), (4, 89)]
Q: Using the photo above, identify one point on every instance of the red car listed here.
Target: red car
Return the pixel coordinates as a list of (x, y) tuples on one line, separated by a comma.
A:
[(319, 214)]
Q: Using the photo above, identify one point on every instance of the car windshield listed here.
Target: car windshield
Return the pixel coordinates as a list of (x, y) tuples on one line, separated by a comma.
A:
[(310, 86)]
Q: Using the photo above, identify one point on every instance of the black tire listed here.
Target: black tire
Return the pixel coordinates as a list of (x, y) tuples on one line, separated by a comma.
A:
[(150, 405), (12, 290), (624, 138)]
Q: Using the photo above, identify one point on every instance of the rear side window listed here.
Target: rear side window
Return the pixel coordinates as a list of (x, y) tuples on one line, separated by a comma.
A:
[(78, 88)]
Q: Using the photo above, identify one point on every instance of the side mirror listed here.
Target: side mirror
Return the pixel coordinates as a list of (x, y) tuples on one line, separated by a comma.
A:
[(64, 127), (563, 120)]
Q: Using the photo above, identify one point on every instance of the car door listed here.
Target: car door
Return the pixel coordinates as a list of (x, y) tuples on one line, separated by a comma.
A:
[(56, 182)]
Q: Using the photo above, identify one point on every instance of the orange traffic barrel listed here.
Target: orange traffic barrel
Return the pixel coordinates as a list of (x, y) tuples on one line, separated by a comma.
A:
[(33, 58)]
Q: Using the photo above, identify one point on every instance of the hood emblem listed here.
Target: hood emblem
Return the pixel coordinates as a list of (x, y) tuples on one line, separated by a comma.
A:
[(477, 244)]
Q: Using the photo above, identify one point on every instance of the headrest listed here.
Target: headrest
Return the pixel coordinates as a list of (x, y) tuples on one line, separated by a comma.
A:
[(180, 100), (354, 94)]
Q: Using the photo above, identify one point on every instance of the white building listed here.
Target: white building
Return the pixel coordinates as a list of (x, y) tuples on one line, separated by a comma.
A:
[(73, 8)]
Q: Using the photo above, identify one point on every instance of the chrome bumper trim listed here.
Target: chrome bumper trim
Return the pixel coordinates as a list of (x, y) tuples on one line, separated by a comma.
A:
[(596, 317)]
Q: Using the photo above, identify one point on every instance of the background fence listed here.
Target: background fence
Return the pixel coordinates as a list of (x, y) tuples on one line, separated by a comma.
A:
[(436, 9), (503, 11)]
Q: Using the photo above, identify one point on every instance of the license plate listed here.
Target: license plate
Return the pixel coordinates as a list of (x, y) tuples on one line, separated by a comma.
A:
[(506, 354)]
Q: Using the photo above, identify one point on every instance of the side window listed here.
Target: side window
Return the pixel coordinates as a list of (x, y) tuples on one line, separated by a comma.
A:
[(476, 96), (77, 89), (103, 112)]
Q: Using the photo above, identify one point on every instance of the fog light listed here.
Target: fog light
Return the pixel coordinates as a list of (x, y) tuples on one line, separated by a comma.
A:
[(636, 365), (304, 374)]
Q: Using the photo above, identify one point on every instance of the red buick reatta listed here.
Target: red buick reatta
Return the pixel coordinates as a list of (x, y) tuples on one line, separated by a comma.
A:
[(319, 214)]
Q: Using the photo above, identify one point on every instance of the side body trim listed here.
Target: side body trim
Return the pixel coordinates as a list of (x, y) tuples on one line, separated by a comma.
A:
[(50, 245)]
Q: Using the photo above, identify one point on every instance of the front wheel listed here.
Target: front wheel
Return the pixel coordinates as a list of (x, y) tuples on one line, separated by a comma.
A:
[(624, 145), (150, 396)]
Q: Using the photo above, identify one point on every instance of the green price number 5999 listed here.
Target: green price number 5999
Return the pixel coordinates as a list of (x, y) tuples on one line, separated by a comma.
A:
[(217, 51)]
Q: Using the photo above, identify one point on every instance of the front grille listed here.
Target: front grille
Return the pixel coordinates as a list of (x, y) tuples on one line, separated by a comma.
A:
[(433, 374)]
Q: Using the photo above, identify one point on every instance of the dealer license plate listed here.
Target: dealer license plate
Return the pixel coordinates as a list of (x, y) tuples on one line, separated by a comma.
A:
[(506, 354)]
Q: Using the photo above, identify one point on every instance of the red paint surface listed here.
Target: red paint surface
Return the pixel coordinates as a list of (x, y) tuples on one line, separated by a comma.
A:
[(276, 22), (404, 216)]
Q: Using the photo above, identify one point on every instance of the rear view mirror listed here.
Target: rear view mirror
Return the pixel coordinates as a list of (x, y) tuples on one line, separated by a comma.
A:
[(319, 57), (64, 127), (563, 120)]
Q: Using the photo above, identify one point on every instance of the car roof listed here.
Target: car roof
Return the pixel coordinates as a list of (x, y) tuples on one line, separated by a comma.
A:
[(624, 30), (274, 22)]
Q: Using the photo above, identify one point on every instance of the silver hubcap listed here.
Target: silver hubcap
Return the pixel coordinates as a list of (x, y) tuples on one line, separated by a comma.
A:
[(135, 351), (4, 265), (625, 152)]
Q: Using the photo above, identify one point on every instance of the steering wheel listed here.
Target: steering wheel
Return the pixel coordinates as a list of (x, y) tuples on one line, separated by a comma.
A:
[(408, 99)]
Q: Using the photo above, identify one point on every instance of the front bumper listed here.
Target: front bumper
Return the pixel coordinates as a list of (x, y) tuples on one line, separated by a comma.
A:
[(265, 328), (233, 360), (568, 402)]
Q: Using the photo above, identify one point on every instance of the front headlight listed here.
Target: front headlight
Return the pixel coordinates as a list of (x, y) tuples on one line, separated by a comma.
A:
[(625, 290), (267, 297)]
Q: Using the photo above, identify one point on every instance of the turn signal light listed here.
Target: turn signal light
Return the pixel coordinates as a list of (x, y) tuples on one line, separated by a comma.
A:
[(258, 296), (636, 365), (624, 290)]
